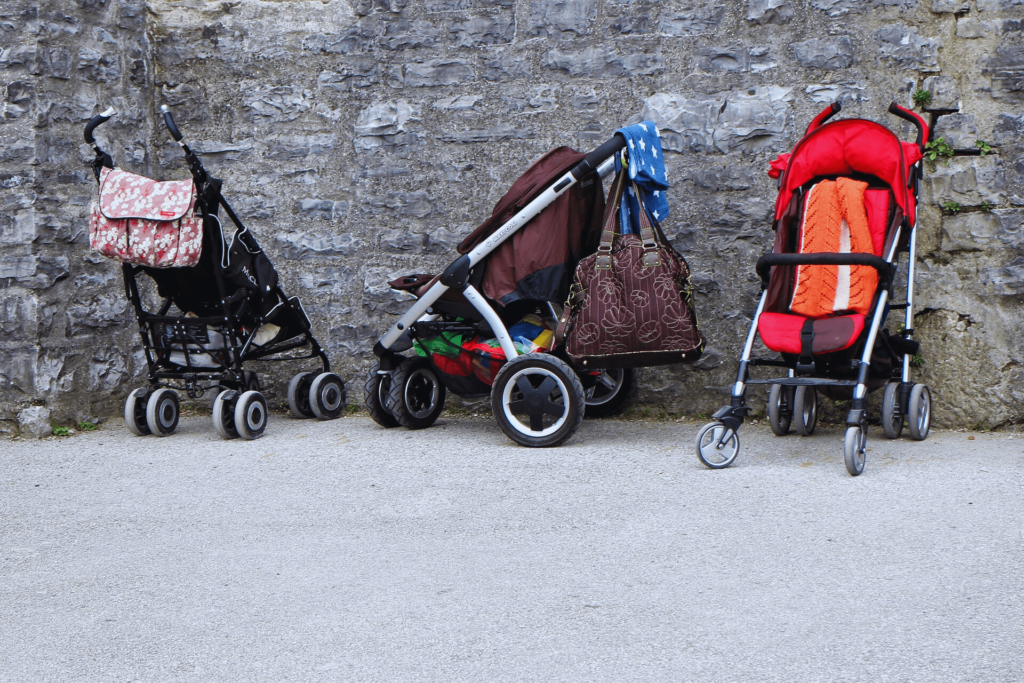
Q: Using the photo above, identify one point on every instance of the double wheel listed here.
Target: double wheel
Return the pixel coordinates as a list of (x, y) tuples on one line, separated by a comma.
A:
[(152, 411), (411, 395), (917, 415), (316, 395), (790, 406)]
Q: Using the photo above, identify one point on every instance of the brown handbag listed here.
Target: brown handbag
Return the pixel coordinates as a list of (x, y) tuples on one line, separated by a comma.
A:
[(631, 304)]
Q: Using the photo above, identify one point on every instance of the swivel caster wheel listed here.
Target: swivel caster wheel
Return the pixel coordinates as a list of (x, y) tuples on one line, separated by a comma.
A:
[(251, 415), (162, 412), (327, 396), (376, 397), (135, 411), (715, 448), (855, 446), (298, 395)]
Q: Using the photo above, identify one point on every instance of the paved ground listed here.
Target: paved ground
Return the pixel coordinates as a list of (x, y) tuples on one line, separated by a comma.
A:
[(341, 551)]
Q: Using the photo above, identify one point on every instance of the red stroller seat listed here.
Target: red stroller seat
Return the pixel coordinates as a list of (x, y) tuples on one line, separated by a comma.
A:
[(782, 332)]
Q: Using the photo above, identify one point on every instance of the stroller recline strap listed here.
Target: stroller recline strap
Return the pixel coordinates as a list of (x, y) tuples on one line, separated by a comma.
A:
[(807, 343)]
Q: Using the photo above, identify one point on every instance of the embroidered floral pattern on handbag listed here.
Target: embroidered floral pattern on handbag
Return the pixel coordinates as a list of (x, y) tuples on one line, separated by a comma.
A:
[(632, 302), (148, 223)]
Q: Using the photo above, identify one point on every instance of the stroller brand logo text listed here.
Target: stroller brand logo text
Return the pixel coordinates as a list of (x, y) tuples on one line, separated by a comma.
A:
[(497, 237)]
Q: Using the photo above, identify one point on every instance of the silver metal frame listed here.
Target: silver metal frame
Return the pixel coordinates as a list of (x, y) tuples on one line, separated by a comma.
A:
[(422, 306)]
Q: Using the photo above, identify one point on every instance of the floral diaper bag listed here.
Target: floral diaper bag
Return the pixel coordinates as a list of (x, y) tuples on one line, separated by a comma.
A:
[(145, 222)]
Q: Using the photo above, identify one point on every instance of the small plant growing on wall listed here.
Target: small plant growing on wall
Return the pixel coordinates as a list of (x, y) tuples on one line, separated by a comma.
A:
[(938, 149), (952, 207), (986, 206), (983, 146), (922, 98)]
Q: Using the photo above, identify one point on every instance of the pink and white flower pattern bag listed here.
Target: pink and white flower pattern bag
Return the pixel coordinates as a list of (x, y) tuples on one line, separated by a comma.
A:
[(145, 222)]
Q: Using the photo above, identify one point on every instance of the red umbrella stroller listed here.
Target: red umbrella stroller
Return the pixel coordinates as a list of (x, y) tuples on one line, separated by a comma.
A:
[(845, 212)]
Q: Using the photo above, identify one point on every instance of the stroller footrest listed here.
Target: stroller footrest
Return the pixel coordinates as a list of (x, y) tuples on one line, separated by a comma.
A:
[(805, 382)]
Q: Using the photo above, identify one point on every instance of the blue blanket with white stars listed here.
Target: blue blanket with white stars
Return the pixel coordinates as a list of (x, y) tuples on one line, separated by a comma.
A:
[(647, 170)]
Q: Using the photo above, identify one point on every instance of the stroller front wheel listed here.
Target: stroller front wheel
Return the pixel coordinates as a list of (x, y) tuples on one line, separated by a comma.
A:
[(298, 395), (919, 412), (224, 414), (716, 448), (376, 397), (327, 396), (251, 415), (416, 394), (135, 412), (545, 392), (162, 412), (855, 449)]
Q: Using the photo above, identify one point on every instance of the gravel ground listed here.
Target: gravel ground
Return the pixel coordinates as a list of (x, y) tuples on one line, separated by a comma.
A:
[(343, 551)]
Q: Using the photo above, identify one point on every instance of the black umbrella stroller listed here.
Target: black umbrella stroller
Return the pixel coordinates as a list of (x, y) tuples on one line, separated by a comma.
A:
[(216, 316), (511, 268)]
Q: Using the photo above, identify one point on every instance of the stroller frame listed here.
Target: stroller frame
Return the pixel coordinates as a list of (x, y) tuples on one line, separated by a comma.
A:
[(718, 442), (457, 277), (187, 335)]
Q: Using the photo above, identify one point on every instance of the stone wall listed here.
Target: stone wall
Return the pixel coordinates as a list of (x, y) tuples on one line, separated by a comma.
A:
[(361, 140)]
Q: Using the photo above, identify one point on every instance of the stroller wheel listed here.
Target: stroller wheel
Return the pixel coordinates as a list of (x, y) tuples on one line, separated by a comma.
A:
[(416, 394), (376, 397), (224, 414), (611, 391), (298, 395), (805, 410), (855, 449), (135, 412), (162, 412), (780, 409), (135, 406), (712, 450), (327, 396), (251, 415), (892, 411), (543, 391), (919, 412)]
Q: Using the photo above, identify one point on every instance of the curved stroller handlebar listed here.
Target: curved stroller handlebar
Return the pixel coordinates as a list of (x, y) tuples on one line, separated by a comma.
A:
[(765, 263), (594, 159), (97, 121), (171, 126), (907, 115), (824, 116)]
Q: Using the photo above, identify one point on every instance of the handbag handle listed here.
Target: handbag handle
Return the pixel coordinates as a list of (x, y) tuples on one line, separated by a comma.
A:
[(610, 230), (652, 256)]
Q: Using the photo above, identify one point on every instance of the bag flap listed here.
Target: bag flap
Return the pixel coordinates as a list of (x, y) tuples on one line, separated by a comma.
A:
[(126, 195)]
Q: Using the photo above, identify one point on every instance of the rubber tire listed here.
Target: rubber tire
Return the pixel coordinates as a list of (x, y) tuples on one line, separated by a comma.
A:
[(408, 370), (224, 414), (780, 419), (735, 438), (162, 412), (805, 425), (892, 416), (327, 396), (375, 397), (573, 394), (619, 398), (251, 415), (855, 444), (135, 412), (920, 400), (298, 395)]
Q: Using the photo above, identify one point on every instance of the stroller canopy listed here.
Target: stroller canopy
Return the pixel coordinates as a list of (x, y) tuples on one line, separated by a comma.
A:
[(847, 148), (539, 260)]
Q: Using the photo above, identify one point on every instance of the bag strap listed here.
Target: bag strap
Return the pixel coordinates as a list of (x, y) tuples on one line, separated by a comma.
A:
[(652, 255), (604, 250)]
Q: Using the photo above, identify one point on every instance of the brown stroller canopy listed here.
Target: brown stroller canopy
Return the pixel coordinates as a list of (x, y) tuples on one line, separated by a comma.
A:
[(539, 260)]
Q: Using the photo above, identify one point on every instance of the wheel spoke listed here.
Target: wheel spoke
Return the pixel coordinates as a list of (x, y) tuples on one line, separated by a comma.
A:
[(553, 409), (547, 386), (517, 407), (537, 421), (606, 379), (524, 386)]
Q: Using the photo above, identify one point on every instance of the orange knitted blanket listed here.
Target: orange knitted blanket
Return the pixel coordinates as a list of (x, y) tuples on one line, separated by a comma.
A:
[(835, 221)]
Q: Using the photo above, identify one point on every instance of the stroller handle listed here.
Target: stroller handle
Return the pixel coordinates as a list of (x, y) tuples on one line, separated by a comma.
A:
[(765, 263), (594, 159), (171, 126), (96, 121), (907, 115)]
